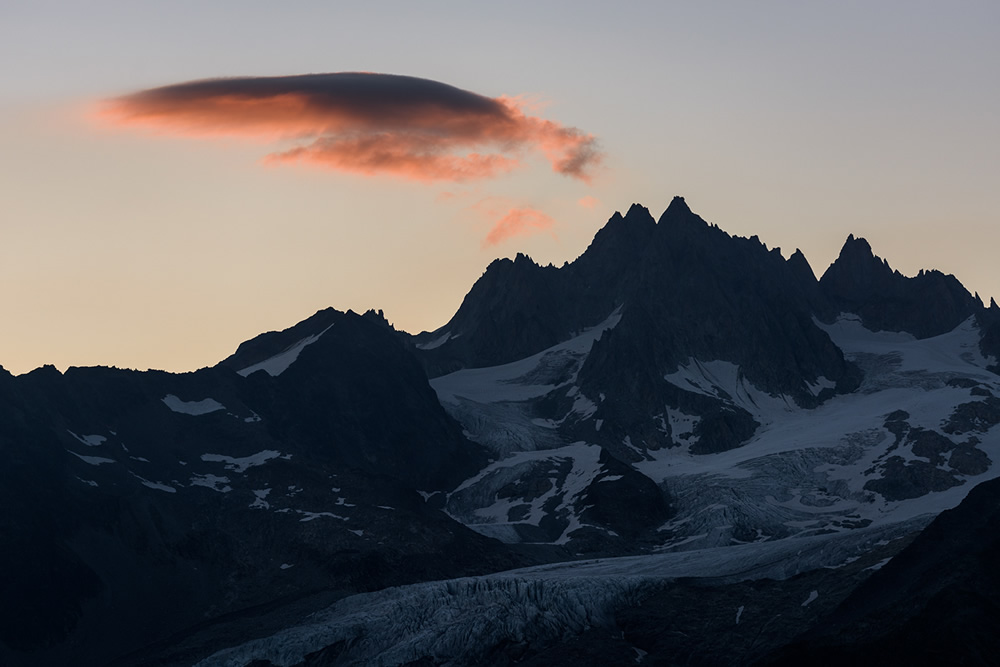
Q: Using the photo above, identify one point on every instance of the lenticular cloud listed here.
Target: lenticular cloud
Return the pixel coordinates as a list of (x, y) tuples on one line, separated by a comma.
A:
[(371, 124)]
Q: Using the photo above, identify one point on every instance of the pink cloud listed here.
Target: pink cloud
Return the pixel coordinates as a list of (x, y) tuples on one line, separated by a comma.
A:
[(363, 123), (588, 201), (518, 222)]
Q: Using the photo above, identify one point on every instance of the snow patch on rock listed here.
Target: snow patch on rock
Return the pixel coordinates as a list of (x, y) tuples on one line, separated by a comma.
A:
[(196, 408), (214, 482), (280, 362), (89, 440), (155, 485), (240, 465), (92, 460), (259, 502), (435, 343)]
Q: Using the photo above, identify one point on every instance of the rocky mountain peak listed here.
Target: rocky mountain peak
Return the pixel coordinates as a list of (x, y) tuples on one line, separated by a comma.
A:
[(677, 207), (800, 267), (681, 226), (378, 317), (861, 282), (857, 273), (637, 213), (621, 239), (857, 265), (521, 258)]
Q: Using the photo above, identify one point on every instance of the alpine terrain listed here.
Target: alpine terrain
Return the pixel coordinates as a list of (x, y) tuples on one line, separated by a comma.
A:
[(680, 448)]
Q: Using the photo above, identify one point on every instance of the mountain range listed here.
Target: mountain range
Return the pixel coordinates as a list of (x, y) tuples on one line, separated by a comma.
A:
[(680, 448)]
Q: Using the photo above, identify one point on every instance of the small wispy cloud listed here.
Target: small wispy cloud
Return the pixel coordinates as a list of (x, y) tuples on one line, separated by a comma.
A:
[(516, 221), (364, 123)]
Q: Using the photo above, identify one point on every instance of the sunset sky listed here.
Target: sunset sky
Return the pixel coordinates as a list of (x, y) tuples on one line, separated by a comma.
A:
[(151, 222)]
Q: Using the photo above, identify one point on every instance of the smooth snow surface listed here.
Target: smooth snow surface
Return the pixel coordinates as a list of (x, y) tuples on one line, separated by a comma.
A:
[(280, 362), (202, 407), (436, 343), (954, 352), (92, 460), (879, 565), (494, 404), (519, 380)]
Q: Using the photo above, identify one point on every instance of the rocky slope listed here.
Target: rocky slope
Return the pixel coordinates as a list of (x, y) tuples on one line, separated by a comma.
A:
[(138, 505)]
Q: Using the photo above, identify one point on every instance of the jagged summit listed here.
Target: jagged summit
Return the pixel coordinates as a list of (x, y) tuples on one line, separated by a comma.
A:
[(637, 212), (800, 266), (857, 253), (683, 289), (636, 223), (676, 207), (856, 271), (861, 282), (378, 317)]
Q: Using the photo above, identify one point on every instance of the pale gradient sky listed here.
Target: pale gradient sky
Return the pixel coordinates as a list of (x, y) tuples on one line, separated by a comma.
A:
[(797, 122)]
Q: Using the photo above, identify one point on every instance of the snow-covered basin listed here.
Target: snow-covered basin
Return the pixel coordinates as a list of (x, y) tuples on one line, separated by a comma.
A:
[(500, 383), (458, 619), (955, 351), (904, 385)]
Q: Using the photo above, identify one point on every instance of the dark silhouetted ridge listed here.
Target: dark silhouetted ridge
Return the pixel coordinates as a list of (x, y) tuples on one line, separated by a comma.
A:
[(928, 304), (937, 602), (700, 293), (677, 207), (800, 268), (518, 308)]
